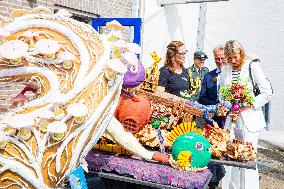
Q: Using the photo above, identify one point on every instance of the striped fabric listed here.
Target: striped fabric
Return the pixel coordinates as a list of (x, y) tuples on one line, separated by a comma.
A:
[(235, 75)]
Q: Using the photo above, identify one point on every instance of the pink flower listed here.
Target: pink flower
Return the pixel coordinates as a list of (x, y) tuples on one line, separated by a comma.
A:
[(236, 106)]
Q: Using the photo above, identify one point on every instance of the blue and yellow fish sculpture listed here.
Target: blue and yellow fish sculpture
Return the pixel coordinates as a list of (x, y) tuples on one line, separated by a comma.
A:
[(190, 150)]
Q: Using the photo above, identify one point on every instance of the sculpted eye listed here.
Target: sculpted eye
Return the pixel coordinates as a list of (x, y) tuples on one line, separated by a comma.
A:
[(133, 69), (199, 146)]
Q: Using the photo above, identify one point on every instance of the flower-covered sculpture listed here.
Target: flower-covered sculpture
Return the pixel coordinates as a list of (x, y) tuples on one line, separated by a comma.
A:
[(190, 151), (39, 151), (152, 74)]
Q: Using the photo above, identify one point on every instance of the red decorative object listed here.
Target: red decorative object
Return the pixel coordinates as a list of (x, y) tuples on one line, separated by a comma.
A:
[(133, 112), (28, 88)]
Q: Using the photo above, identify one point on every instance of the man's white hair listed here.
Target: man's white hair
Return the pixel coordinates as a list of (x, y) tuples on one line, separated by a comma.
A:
[(219, 47)]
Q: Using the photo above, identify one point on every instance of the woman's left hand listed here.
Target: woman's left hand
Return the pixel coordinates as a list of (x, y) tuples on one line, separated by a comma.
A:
[(245, 108)]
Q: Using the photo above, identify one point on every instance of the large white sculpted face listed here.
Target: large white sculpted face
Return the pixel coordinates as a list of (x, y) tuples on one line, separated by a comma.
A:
[(67, 64)]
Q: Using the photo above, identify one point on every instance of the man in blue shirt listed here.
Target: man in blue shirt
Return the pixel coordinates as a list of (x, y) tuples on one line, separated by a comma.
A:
[(210, 83)]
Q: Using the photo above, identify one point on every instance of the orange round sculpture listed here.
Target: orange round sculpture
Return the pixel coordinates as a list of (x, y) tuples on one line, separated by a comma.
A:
[(133, 112)]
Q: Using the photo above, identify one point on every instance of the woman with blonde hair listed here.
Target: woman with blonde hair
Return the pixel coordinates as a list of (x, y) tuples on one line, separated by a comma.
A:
[(173, 76), (250, 119)]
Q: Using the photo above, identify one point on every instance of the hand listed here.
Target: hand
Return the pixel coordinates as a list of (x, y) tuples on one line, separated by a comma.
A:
[(245, 108), (160, 157)]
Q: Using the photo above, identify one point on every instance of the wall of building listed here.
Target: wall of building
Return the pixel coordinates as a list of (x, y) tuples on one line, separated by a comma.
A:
[(7, 6), (81, 8), (102, 8)]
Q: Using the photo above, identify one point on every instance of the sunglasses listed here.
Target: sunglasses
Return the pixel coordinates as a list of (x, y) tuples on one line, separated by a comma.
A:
[(182, 53)]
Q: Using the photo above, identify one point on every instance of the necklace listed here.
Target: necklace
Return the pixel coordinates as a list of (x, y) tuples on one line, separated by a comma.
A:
[(177, 70)]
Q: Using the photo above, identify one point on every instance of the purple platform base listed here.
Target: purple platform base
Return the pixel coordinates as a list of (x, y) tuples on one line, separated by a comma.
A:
[(147, 171)]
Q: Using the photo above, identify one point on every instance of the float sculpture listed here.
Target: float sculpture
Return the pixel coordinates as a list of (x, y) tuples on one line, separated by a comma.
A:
[(77, 82)]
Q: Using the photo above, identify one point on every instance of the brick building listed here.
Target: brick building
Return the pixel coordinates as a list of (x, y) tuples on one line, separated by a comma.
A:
[(82, 10)]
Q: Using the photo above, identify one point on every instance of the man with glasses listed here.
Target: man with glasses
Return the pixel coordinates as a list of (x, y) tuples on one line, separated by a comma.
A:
[(210, 83), (196, 73), (209, 96)]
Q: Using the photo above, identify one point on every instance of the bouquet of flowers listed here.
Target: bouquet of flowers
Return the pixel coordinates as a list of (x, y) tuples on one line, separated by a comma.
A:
[(239, 95)]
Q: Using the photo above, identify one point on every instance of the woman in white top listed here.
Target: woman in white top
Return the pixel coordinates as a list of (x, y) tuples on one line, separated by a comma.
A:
[(249, 119)]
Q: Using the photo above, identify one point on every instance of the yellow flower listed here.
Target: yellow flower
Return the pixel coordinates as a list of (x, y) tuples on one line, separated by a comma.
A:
[(214, 79)]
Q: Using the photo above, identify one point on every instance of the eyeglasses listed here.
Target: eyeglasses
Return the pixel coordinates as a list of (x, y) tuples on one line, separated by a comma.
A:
[(220, 59), (182, 53)]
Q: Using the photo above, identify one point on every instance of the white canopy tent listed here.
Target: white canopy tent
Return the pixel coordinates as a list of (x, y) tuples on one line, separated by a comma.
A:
[(257, 24)]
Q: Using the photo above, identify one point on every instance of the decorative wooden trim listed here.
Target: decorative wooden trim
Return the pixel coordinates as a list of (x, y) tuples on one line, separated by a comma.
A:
[(171, 102)]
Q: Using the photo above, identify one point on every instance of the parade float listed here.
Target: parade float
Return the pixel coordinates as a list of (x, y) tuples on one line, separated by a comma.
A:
[(165, 122), (167, 111), (80, 81)]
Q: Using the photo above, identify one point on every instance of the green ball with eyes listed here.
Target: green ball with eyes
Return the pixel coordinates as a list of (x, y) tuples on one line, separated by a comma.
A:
[(191, 150)]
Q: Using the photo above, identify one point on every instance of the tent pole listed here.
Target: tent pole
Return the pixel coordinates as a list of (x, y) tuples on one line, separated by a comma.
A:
[(201, 26)]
